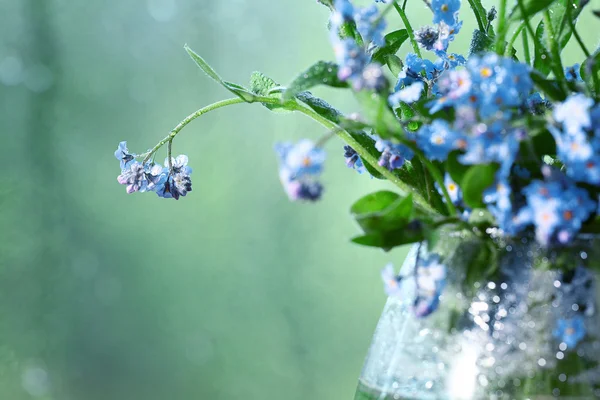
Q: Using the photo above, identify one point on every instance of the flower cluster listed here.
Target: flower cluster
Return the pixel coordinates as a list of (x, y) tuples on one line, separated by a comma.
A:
[(354, 59), (300, 166), (170, 182)]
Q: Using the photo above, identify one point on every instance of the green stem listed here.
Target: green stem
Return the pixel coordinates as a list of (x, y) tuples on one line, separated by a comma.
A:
[(514, 37), (502, 27), (576, 34), (409, 29), (481, 20), (366, 156), (437, 176), (190, 118), (551, 39), (526, 52), (342, 133)]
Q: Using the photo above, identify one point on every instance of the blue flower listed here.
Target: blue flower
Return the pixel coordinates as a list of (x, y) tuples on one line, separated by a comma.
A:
[(300, 165), (572, 73), (302, 158), (453, 87), (370, 25), (574, 113), (536, 104), (178, 182), (430, 280), (409, 94), (570, 331), (415, 69), (134, 177), (447, 35), (437, 140), (452, 188), (393, 156), (353, 160), (122, 154), (557, 206), (445, 11), (391, 281)]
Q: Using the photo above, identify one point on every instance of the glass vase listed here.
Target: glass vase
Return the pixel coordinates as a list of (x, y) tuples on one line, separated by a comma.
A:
[(528, 332)]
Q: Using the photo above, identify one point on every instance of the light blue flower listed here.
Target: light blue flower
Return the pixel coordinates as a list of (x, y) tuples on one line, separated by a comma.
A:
[(122, 154), (445, 11), (430, 280), (452, 188), (300, 165), (301, 158), (409, 94), (415, 69), (391, 281), (570, 331), (437, 140), (557, 206), (393, 155), (574, 113)]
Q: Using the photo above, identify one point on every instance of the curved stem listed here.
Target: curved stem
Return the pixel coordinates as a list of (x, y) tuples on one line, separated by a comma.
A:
[(366, 156), (187, 120), (409, 29)]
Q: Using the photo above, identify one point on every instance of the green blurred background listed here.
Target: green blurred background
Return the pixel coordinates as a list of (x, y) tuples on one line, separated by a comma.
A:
[(230, 293)]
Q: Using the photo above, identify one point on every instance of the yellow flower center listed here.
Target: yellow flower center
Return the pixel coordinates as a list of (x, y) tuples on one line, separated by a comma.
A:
[(306, 161), (486, 72), (445, 7), (438, 140)]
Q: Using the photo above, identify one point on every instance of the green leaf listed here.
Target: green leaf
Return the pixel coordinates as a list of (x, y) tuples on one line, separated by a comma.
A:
[(481, 43), (560, 11), (411, 233), (377, 113), (531, 7), (542, 58), (455, 169), (320, 106), (481, 217), (395, 64), (596, 13), (548, 86), (480, 13), (382, 211), (321, 73), (393, 42), (261, 84), (476, 180), (590, 68), (236, 89)]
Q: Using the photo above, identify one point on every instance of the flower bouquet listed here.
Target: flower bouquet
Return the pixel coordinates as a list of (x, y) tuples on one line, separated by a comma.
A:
[(495, 158)]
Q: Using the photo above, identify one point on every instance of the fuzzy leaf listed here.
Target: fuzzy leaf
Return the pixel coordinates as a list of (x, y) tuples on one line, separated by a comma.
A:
[(321, 73), (234, 88), (393, 42)]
